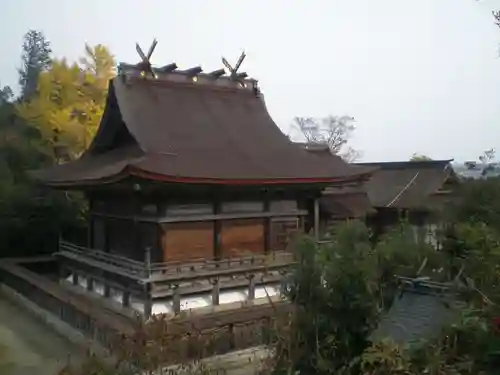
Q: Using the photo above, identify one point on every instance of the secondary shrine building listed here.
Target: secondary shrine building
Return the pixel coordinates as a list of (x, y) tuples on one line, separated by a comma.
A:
[(188, 168)]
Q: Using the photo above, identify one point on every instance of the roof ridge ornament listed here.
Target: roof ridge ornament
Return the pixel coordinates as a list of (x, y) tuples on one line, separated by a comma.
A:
[(145, 65), (234, 75)]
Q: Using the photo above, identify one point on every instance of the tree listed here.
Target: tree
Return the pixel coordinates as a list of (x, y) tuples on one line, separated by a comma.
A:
[(69, 103), (335, 131), (341, 289), (496, 15), (35, 60), (487, 156), (419, 157), (100, 64), (6, 94)]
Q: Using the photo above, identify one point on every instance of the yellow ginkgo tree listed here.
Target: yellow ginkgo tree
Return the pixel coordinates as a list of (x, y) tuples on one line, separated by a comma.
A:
[(69, 102)]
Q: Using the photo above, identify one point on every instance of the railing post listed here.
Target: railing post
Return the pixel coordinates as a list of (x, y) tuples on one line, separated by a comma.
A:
[(251, 287), (283, 282), (176, 300), (90, 284), (148, 303), (215, 291), (107, 290), (62, 273), (147, 261), (126, 298)]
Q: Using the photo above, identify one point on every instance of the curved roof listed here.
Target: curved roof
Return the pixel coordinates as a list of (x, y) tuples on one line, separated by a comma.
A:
[(189, 132), (406, 184)]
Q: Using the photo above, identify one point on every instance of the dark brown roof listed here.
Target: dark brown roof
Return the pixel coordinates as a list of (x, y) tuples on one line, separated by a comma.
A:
[(176, 130), (322, 153), (346, 202), (408, 184)]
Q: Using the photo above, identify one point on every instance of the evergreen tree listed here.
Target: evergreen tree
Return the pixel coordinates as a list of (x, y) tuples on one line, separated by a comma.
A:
[(35, 59)]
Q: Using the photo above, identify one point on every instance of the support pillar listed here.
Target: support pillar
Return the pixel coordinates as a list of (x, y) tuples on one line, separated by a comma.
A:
[(90, 284), (63, 274), (126, 298), (316, 219), (107, 290)]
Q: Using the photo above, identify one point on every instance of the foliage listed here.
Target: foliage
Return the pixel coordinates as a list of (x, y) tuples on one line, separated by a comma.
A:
[(419, 157), (335, 131), (70, 102), (342, 290), (488, 156), (25, 206), (479, 201), (35, 60), (6, 94)]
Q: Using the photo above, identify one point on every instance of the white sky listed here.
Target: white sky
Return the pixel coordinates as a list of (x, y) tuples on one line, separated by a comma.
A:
[(418, 75)]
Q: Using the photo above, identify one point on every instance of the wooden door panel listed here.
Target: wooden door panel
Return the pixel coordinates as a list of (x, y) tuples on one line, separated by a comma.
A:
[(242, 237), (185, 241)]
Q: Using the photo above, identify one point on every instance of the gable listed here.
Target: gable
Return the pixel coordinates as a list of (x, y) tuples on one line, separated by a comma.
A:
[(112, 132)]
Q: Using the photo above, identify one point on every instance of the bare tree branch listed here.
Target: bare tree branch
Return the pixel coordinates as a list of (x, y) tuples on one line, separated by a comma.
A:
[(496, 15), (335, 131)]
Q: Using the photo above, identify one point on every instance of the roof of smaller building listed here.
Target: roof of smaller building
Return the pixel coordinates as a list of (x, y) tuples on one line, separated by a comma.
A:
[(419, 312), (407, 184), (346, 202)]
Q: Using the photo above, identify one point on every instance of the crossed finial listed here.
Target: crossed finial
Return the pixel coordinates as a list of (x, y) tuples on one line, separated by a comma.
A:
[(234, 71), (145, 64)]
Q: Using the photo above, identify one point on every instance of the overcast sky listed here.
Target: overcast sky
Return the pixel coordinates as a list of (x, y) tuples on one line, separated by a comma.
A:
[(417, 75)]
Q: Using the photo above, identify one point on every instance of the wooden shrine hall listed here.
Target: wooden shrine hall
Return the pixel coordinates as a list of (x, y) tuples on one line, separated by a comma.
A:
[(193, 191)]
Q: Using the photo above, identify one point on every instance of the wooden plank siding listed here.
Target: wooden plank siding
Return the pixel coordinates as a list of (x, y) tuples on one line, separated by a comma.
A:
[(184, 241), (182, 231), (242, 236)]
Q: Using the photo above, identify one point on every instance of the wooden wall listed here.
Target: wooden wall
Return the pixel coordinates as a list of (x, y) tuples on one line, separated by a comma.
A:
[(177, 230), (182, 241), (242, 237)]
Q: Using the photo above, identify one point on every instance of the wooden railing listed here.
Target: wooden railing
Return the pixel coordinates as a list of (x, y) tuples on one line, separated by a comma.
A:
[(213, 333), (175, 270), (127, 265)]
